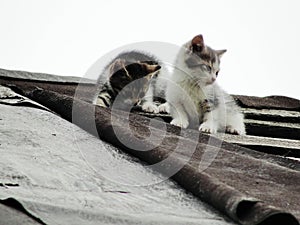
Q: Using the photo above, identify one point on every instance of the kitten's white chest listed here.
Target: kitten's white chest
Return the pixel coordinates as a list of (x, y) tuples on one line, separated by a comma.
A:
[(195, 93)]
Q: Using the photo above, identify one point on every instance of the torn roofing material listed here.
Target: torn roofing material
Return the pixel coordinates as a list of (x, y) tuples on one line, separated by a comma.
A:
[(232, 179), (45, 173), (250, 187)]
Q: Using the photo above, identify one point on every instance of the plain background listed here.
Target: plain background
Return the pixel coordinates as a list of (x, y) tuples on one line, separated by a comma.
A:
[(66, 37)]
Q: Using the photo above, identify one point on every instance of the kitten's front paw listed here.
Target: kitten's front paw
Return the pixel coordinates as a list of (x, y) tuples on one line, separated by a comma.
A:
[(207, 127), (180, 123), (165, 108), (237, 131), (150, 107)]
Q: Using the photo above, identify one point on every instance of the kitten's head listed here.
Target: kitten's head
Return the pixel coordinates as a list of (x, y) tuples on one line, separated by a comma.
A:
[(202, 61), (132, 79)]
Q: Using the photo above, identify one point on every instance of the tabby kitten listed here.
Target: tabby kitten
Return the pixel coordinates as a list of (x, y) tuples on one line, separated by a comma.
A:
[(129, 80)]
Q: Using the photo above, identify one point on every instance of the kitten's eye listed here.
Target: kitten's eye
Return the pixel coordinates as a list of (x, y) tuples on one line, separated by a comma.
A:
[(217, 73), (206, 67)]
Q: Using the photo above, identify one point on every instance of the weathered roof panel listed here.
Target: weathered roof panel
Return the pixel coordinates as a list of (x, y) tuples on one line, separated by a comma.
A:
[(248, 186), (42, 77), (42, 156)]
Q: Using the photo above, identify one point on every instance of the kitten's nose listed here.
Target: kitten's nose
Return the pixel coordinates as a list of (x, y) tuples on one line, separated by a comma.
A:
[(213, 79)]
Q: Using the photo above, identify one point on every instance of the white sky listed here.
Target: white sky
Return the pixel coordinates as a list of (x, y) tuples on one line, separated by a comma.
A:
[(66, 37)]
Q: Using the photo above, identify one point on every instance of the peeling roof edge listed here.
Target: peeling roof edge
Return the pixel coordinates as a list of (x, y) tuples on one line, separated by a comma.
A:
[(43, 77), (269, 102)]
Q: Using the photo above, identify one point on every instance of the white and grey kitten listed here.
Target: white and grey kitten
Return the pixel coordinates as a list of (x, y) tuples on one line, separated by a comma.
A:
[(193, 97)]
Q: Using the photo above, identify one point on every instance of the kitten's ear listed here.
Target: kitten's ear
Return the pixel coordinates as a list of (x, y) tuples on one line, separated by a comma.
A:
[(220, 53), (151, 69), (197, 44), (155, 69), (117, 65)]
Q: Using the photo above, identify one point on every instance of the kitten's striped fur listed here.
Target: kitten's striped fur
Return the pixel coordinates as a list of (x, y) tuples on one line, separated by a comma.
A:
[(129, 78)]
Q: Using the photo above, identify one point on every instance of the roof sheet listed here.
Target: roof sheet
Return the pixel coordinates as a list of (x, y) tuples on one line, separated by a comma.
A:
[(44, 168), (249, 186)]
